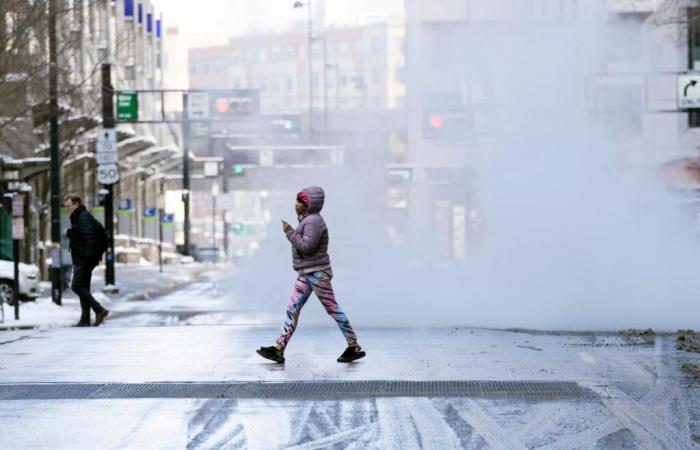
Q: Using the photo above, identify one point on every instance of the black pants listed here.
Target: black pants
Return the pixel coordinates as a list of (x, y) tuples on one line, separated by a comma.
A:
[(82, 275)]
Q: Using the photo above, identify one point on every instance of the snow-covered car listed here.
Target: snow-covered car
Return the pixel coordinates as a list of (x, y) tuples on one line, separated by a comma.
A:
[(28, 281)]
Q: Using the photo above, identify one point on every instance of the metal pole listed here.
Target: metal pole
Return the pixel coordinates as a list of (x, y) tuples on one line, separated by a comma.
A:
[(186, 172), (15, 291), (223, 216), (311, 91), (213, 219), (325, 88), (107, 123), (56, 268), (160, 238)]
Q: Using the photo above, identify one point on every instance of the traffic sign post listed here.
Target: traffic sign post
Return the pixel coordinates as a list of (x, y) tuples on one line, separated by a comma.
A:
[(688, 92), (17, 236)]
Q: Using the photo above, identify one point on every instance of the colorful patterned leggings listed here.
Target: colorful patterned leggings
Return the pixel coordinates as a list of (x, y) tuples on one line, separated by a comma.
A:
[(320, 283)]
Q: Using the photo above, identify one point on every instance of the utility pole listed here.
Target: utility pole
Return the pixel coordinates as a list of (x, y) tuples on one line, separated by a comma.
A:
[(311, 89), (160, 239), (56, 268), (108, 123), (325, 89), (186, 172)]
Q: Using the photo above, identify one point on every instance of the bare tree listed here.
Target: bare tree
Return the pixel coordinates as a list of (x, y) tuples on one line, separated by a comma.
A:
[(24, 56)]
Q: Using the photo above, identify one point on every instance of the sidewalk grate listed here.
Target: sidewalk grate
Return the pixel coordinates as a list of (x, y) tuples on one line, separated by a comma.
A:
[(298, 390)]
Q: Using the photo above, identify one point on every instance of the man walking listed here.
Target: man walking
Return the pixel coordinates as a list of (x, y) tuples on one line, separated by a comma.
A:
[(87, 244)]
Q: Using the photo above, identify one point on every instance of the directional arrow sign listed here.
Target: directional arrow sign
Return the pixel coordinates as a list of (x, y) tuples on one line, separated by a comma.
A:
[(689, 91)]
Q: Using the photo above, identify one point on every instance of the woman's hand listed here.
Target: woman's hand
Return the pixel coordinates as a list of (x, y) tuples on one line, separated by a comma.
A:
[(286, 227)]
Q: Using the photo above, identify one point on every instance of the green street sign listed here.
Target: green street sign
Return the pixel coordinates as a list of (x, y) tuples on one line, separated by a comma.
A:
[(127, 106)]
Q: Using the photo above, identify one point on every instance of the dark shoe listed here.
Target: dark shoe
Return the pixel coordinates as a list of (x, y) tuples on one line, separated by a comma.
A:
[(82, 324), (100, 317), (351, 354), (271, 353)]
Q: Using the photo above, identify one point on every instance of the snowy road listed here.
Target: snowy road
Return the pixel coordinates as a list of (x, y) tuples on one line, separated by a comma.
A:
[(633, 393)]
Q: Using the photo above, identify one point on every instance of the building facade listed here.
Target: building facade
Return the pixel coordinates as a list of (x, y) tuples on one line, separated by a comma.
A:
[(456, 103), (351, 68), (127, 34)]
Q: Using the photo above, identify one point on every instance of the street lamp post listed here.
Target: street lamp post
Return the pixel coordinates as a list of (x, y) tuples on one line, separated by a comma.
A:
[(299, 4)]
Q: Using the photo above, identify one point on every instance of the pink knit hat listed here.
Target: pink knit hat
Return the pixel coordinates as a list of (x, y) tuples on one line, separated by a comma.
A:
[(304, 197)]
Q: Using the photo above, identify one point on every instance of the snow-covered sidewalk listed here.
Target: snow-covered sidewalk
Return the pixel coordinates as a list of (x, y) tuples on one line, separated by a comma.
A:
[(137, 282)]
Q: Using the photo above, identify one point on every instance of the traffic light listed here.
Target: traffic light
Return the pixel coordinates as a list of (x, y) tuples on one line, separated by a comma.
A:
[(450, 124), (281, 124), (397, 176), (237, 170), (237, 102)]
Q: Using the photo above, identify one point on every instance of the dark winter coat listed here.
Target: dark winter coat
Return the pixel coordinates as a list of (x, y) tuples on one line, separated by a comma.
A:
[(310, 239), (83, 238)]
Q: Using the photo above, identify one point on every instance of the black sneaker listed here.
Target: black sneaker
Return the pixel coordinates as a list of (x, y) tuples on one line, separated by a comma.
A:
[(351, 354), (100, 317), (82, 323), (271, 353)]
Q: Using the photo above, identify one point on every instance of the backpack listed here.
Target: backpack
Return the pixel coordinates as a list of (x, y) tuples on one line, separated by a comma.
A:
[(101, 234)]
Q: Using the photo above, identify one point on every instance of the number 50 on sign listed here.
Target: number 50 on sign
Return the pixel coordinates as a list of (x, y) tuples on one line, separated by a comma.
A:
[(107, 173)]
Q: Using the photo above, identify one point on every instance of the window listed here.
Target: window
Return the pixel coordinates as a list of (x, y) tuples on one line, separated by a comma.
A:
[(316, 50), (236, 57), (262, 82), (302, 52), (289, 83), (694, 55), (236, 83), (250, 56), (193, 69), (288, 54), (275, 56), (263, 56), (343, 48), (359, 46)]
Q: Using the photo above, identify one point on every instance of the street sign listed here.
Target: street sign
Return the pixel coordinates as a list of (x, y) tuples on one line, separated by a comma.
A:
[(125, 204), (18, 228), (198, 106), (18, 205), (107, 140), (150, 212), (267, 158), (106, 148), (688, 91), (107, 173), (127, 106), (106, 158), (211, 169)]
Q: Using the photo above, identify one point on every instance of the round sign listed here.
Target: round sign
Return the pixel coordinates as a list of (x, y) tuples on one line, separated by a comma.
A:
[(107, 173)]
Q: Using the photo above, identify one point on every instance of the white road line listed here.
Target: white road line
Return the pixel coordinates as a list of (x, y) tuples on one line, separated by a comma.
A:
[(585, 439), (651, 431), (333, 439), (495, 435), (396, 430), (434, 432), (588, 358)]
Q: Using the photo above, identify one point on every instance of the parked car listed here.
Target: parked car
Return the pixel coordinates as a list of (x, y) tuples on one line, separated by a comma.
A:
[(28, 281), (207, 254)]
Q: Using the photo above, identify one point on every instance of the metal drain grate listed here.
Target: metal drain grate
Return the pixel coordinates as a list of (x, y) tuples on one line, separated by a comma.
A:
[(300, 390)]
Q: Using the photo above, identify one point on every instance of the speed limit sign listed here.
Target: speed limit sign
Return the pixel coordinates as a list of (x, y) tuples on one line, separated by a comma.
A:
[(107, 173)]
